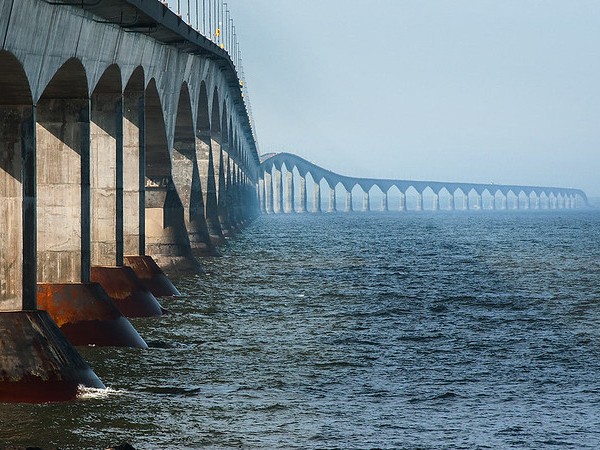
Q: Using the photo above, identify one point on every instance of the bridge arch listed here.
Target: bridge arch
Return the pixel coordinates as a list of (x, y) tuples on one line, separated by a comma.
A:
[(186, 175), (166, 234), (63, 184), (17, 178)]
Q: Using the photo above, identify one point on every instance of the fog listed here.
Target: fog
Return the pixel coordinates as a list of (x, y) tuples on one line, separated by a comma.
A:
[(479, 91)]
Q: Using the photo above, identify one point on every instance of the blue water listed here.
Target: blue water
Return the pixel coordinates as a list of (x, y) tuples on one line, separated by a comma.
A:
[(416, 330)]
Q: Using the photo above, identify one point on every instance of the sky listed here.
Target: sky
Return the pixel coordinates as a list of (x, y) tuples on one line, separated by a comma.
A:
[(504, 91)]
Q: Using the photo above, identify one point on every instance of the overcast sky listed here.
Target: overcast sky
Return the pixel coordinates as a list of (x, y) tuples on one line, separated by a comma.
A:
[(504, 91)]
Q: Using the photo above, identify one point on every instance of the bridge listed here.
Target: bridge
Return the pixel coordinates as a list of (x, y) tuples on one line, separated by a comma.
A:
[(278, 195), (127, 146), (128, 153)]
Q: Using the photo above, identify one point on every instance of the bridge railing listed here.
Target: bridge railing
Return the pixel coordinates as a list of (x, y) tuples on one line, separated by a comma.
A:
[(212, 19)]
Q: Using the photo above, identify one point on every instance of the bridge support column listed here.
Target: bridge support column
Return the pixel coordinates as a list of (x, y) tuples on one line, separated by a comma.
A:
[(349, 205), (332, 200), (366, 201), (317, 198), (277, 192), (466, 202), (268, 193), (289, 193), (261, 195), (493, 203), (527, 202), (419, 206), (436, 202), (38, 363), (452, 202), (536, 202), (478, 201), (384, 202), (303, 208), (402, 201), (504, 202)]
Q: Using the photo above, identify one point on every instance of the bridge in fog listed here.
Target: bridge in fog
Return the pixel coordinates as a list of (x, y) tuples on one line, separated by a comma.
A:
[(278, 191)]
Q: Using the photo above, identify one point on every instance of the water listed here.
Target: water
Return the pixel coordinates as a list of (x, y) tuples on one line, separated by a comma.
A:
[(358, 331)]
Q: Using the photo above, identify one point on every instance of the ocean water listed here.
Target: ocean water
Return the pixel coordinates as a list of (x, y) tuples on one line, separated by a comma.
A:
[(417, 330)]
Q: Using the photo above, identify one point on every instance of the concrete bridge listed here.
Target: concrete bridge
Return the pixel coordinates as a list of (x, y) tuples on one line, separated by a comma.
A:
[(278, 195), (125, 141)]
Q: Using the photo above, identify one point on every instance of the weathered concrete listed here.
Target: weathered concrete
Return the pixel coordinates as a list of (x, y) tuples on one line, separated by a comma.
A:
[(151, 276), (86, 315), (127, 292), (38, 363)]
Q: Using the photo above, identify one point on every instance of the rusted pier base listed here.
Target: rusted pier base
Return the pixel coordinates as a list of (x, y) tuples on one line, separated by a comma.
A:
[(87, 316), (151, 276), (38, 363), (125, 289)]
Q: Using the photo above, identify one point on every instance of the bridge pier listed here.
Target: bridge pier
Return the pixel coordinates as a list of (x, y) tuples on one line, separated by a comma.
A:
[(303, 207), (478, 201), (349, 201), (277, 192), (436, 202), (452, 202), (384, 202), (261, 194), (402, 201), (419, 206), (268, 193), (317, 197), (504, 202), (366, 201), (38, 363), (289, 194), (332, 201)]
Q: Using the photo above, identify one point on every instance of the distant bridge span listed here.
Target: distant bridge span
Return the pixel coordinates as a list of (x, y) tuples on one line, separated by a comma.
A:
[(273, 195)]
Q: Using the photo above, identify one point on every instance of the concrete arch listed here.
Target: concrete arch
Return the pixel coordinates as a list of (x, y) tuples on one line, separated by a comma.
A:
[(204, 155), (166, 236), (63, 183), (17, 178), (186, 176)]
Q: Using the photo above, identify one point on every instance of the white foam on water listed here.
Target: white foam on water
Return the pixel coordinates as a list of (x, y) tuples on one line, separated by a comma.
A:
[(88, 393)]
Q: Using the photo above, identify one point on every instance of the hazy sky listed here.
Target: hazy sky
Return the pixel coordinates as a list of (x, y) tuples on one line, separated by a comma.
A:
[(504, 91)]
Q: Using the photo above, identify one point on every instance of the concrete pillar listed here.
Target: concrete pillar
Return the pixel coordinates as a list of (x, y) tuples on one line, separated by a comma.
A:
[(303, 208), (402, 201), (133, 172), (478, 201), (366, 201), (261, 194), (493, 202), (528, 202), (349, 205), (277, 192), (18, 269), (536, 202), (436, 202), (452, 202), (466, 203), (419, 206), (384, 202), (317, 198), (106, 166), (63, 182), (268, 193), (205, 157), (332, 204), (289, 194), (504, 202)]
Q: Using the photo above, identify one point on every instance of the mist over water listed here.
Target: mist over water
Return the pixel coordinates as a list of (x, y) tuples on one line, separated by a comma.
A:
[(464, 330)]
